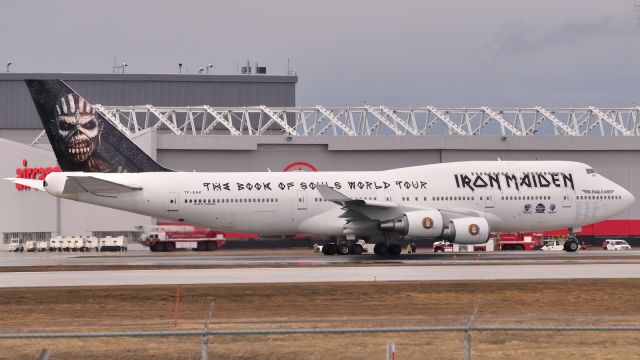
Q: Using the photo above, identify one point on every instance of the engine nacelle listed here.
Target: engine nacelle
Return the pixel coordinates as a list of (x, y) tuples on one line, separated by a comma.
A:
[(54, 183), (419, 224), (469, 230)]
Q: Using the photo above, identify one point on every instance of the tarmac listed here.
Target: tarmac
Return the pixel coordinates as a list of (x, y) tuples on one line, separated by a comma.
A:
[(317, 274), (143, 257)]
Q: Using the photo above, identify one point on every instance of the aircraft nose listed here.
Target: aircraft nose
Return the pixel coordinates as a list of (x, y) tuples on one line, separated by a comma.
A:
[(628, 197)]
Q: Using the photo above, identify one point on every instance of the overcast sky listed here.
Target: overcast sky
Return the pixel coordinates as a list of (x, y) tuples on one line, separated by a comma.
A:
[(401, 52)]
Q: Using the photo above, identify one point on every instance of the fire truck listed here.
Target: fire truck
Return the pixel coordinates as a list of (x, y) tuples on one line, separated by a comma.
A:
[(520, 241), (172, 236)]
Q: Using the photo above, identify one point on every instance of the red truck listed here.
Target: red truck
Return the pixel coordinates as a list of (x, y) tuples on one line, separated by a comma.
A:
[(172, 236), (520, 241)]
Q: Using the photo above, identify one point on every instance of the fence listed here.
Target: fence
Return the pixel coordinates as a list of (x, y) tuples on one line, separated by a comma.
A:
[(467, 331)]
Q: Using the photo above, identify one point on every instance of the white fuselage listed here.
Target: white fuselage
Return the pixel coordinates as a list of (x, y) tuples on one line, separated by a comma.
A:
[(511, 195)]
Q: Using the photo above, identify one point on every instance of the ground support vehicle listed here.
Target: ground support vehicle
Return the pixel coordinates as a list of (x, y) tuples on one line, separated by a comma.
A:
[(557, 245), (55, 243), (520, 241), (446, 246), (34, 245), (89, 243), (113, 243), (171, 238), (616, 245), (16, 245), (42, 245), (30, 246)]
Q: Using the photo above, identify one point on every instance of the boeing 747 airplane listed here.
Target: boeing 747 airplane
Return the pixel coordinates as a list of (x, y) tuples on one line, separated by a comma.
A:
[(461, 202)]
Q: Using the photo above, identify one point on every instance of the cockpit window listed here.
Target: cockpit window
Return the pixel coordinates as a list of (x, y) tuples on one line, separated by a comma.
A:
[(591, 171)]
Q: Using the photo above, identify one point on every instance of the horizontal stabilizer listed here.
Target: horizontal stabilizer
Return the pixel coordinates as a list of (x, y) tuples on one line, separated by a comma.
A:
[(96, 185), (32, 183)]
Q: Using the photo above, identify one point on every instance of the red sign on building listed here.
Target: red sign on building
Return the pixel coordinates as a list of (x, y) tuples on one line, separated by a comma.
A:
[(36, 173)]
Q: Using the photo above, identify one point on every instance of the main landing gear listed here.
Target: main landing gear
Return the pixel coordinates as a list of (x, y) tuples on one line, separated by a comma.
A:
[(342, 247), (383, 249), (571, 245)]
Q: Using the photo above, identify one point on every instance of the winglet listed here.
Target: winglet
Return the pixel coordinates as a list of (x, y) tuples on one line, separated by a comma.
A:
[(32, 183), (330, 194)]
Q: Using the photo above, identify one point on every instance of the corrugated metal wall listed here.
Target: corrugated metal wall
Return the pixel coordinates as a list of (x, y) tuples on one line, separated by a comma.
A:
[(17, 110)]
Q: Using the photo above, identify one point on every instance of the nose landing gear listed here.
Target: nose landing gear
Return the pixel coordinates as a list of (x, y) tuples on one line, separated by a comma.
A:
[(571, 245)]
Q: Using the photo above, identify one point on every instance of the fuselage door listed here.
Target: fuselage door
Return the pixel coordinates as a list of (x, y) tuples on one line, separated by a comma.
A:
[(172, 205), (388, 196), (489, 199), (302, 200), (566, 198)]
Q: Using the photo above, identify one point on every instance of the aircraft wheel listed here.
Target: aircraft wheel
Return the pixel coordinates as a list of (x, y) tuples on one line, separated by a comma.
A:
[(343, 249), (571, 246), (355, 249), (212, 246), (329, 248), (380, 249), (394, 249)]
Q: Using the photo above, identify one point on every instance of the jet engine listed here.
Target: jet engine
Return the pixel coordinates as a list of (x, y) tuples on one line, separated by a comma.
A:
[(468, 230), (419, 224)]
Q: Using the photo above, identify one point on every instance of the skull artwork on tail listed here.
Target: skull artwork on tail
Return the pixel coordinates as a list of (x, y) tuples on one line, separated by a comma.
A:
[(76, 124)]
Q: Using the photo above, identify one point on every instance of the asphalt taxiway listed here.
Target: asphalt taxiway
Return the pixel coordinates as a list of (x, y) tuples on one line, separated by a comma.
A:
[(317, 274), (222, 258), (302, 266)]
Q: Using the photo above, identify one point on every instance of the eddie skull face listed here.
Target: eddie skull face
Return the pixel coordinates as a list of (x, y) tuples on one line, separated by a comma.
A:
[(76, 124)]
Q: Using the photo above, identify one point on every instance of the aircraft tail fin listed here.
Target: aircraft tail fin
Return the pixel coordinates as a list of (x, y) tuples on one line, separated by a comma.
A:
[(82, 139)]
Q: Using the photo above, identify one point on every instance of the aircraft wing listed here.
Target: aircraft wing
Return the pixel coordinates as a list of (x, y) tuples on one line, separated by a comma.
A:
[(337, 197), (366, 214), (361, 215), (96, 185)]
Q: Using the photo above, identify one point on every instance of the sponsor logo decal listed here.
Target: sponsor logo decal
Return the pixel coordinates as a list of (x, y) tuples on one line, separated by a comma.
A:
[(540, 209), (427, 223), (474, 229), (552, 209), (527, 209), (300, 166)]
